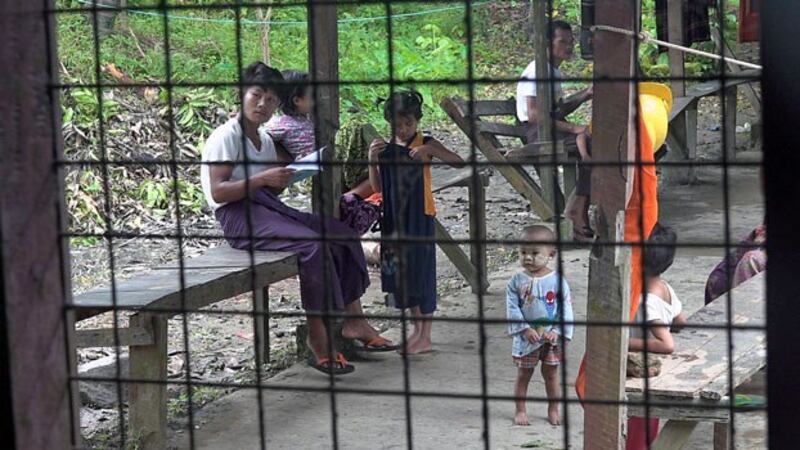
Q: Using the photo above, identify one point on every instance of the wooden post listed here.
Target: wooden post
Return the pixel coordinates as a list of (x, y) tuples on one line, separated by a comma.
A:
[(36, 408), (544, 98), (779, 51), (609, 269), (148, 401), (477, 232), (684, 126), (722, 434), (323, 53), (261, 307)]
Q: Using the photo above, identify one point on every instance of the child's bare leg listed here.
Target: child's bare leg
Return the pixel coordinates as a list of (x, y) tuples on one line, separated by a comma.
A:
[(422, 334), (552, 385), (521, 392)]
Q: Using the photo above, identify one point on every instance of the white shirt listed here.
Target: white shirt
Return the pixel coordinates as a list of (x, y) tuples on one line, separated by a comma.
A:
[(657, 309), (225, 145), (527, 89)]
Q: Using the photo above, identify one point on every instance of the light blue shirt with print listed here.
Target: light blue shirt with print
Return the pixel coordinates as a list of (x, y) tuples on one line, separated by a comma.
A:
[(533, 302)]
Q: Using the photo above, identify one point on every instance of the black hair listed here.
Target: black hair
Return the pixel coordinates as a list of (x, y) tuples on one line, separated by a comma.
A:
[(295, 87), (539, 233), (263, 76), (403, 103), (557, 25), (660, 251)]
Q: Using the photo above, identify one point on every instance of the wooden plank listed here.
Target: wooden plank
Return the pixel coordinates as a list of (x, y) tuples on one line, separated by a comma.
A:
[(679, 104), (609, 266), (462, 178), (104, 337), (148, 401), (750, 93), (539, 152), (161, 289), (36, 410), (696, 409), (674, 435), (699, 366), (712, 87), (494, 108), (225, 257), (516, 177), (502, 129), (457, 256)]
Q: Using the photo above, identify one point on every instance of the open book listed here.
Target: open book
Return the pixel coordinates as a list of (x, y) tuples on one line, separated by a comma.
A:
[(306, 166)]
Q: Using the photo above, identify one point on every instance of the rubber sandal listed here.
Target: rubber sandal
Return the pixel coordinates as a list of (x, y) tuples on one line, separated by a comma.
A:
[(339, 366), (376, 345)]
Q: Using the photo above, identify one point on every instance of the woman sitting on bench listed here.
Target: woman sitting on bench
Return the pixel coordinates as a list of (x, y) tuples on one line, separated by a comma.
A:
[(242, 190)]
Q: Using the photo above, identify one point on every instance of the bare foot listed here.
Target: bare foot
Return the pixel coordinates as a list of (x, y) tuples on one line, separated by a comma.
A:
[(521, 419), (553, 416), (417, 347), (358, 329)]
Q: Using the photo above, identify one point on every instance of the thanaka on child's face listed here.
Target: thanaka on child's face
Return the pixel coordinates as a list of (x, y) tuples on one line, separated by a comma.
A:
[(405, 127), (259, 104), (534, 257)]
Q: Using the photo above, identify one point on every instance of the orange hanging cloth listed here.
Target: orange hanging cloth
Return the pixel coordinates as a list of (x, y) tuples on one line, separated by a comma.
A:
[(641, 212)]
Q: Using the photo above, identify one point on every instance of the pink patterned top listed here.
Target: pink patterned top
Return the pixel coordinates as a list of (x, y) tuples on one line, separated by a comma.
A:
[(294, 133)]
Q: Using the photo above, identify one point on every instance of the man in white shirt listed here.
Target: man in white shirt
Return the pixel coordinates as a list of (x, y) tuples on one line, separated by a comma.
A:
[(561, 49)]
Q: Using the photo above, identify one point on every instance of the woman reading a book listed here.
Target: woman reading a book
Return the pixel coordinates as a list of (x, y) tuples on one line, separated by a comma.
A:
[(242, 173)]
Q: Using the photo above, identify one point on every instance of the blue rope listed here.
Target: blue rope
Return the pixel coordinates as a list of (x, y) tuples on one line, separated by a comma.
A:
[(290, 22)]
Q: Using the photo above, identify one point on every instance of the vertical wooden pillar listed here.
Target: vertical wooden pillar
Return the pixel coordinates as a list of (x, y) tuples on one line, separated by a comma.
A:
[(148, 401), (544, 99), (323, 54), (609, 275), (779, 51), (684, 126), (35, 397)]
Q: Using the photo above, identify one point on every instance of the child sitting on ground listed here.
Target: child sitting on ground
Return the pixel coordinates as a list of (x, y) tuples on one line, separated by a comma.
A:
[(662, 306), (537, 300), (408, 212)]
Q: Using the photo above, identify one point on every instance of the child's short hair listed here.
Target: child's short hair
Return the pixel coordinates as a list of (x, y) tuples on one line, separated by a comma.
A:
[(538, 233), (261, 75), (403, 103), (295, 87), (659, 254)]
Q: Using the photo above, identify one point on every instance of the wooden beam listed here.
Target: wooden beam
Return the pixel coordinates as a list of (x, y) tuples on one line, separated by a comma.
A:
[(35, 404), (323, 53), (458, 257), (105, 337), (609, 267)]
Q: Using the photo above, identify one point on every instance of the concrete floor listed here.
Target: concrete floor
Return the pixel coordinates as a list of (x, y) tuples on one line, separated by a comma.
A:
[(303, 420)]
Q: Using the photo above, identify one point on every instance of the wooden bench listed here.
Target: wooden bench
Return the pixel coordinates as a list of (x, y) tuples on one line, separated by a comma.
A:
[(468, 266), (696, 376), (682, 134), (221, 273), (471, 118)]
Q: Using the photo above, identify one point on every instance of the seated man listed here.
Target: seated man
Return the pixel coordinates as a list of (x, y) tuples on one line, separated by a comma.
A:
[(561, 46)]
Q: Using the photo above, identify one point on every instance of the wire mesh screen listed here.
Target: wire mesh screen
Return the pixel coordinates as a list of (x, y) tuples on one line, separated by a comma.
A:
[(393, 193)]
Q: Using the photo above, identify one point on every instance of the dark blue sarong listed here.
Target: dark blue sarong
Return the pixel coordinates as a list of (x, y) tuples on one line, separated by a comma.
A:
[(404, 217)]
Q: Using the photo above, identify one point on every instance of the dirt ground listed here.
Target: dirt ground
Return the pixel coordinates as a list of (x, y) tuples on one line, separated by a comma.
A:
[(221, 350)]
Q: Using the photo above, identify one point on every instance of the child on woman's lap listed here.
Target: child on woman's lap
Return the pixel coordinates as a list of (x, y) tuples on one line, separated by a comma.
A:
[(537, 301), (408, 212)]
